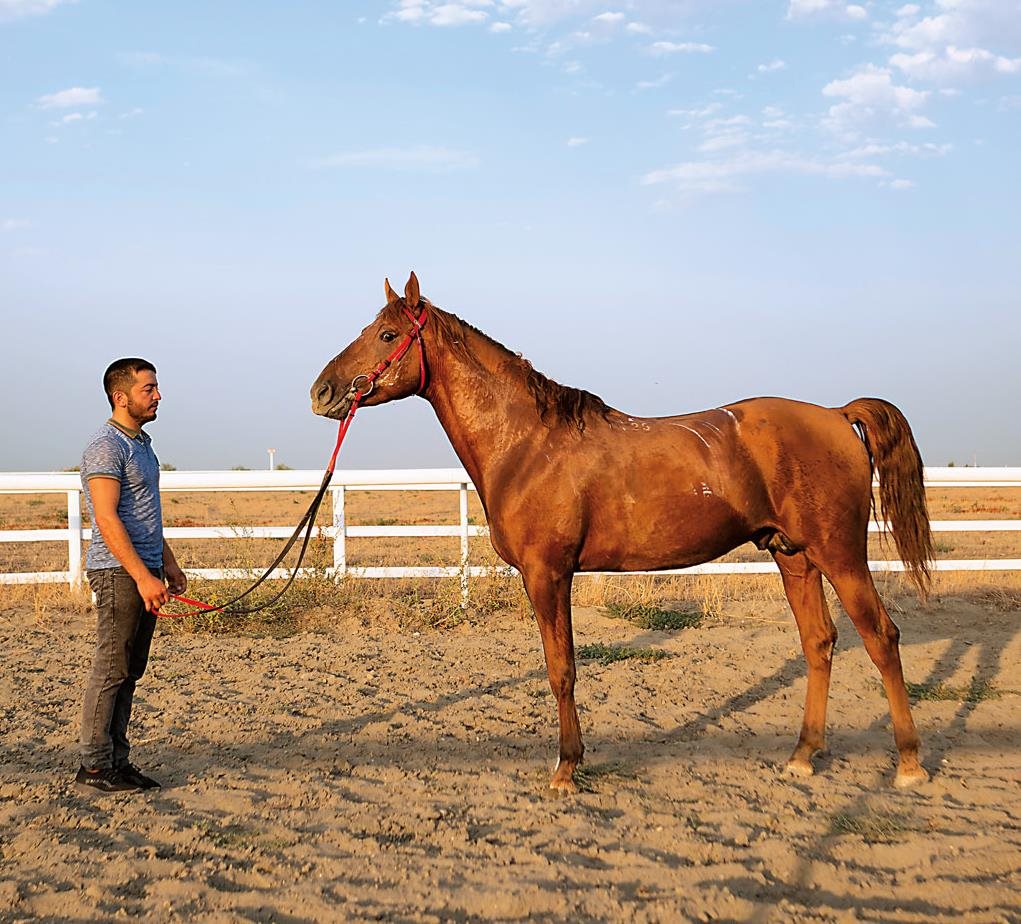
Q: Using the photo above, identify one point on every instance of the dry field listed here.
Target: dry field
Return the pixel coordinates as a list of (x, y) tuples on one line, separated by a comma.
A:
[(382, 508), (372, 752)]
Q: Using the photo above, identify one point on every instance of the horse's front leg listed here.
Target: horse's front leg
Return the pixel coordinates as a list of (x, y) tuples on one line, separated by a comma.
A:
[(550, 594)]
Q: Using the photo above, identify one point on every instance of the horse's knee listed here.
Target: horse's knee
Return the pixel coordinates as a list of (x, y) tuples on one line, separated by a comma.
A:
[(561, 681), (828, 643), (819, 648), (889, 632)]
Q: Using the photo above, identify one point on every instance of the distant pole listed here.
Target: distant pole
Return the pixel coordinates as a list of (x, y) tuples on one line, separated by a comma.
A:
[(272, 465)]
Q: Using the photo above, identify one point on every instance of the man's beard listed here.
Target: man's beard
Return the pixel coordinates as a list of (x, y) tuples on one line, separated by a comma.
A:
[(140, 412)]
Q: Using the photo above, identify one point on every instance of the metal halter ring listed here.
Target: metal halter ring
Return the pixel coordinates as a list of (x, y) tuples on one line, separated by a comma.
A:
[(353, 388)]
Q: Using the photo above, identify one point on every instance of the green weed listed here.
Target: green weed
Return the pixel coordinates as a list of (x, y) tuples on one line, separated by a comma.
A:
[(608, 654), (647, 616), (977, 691)]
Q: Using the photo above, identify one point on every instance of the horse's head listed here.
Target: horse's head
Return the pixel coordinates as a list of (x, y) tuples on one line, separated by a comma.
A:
[(348, 372)]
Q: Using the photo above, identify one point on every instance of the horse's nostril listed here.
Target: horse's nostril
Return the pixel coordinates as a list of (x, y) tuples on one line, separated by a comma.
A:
[(324, 392)]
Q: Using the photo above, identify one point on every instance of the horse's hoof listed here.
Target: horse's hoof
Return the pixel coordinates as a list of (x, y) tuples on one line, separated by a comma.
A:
[(799, 767), (908, 779), (567, 787)]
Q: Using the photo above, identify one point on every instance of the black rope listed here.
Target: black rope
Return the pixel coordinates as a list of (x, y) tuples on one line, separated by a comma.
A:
[(307, 523)]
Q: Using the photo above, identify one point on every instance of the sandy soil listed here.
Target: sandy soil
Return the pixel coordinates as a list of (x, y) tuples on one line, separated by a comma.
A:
[(373, 774)]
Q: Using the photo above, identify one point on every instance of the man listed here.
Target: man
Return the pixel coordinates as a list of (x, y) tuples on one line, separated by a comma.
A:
[(126, 563)]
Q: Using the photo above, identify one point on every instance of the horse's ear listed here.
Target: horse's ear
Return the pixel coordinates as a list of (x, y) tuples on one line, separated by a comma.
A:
[(391, 296), (411, 293)]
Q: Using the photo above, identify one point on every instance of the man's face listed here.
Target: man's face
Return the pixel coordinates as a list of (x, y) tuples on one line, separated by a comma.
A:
[(144, 397)]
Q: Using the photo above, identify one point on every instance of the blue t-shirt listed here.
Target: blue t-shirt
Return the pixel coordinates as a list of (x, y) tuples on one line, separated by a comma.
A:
[(113, 453)]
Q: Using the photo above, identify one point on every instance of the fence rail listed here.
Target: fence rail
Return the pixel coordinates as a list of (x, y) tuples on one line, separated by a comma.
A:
[(442, 479)]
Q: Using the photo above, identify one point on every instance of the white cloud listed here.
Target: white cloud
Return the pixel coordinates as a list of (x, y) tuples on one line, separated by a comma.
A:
[(203, 65), (638, 28), (669, 48), (71, 98), (660, 81), (953, 64), (13, 224), (455, 14), (899, 185), (702, 113), (76, 117), (798, 8), (870, 95), (775, 65), (576, 142), (902, 148), (16, 9), (417, 157), (803, 9), (500, 27), (417, 12), (694, 177), (959, 40), (609, 19)]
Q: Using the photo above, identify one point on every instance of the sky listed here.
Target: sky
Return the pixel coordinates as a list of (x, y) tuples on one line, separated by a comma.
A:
[(672, 203)]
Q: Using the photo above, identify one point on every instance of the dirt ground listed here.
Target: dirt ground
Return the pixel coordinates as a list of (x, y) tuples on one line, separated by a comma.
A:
[(385, 774)]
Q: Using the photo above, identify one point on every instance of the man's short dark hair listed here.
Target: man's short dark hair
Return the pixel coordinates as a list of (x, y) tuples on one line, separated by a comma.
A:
[(120, 375)]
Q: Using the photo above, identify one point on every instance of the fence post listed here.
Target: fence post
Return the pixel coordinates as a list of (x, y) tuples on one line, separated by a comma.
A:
[(74, 539), (340, 538), (463, 497)]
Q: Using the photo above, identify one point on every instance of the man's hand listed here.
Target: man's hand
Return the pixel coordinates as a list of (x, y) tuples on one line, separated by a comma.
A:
[(152, 591), (176, 578)]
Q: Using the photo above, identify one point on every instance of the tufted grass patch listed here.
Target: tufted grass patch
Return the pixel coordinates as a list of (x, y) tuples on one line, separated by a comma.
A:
[(649, 616), (608, 654), (873, 827), (976, 691)]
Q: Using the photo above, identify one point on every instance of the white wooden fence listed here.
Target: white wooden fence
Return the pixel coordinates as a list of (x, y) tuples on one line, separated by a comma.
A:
[(444, 479)]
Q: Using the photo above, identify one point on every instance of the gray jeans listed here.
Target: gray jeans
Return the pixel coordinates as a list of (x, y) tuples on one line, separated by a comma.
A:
[(123, 635)]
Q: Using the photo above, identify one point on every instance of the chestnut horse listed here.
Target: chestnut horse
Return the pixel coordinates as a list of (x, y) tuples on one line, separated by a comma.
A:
[(569, 484)]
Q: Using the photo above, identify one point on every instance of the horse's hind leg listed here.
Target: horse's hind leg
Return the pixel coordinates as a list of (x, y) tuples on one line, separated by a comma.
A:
[(859, 597), (551, 598), (802, 582)]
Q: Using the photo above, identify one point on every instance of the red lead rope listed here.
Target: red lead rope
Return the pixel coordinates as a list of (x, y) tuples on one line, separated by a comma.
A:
[(415, 334)]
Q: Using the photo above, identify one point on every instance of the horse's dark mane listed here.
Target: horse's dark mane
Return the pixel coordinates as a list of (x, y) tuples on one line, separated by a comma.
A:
[(555, 403)]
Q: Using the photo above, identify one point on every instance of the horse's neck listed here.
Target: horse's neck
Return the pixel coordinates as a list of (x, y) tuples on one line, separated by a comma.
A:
[(483, 406)]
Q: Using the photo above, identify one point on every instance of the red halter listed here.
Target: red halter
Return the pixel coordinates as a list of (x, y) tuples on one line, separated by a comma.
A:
[(363, 391), (415, 334)]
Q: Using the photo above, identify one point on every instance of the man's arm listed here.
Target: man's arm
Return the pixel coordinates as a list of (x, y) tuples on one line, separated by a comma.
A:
[(176, 578), (106, 493)]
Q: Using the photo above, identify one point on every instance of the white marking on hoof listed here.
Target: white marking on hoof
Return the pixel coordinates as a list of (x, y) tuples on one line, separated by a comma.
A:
[(800, 768), (910, 778)]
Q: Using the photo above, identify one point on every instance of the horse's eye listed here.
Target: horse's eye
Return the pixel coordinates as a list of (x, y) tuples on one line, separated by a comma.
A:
[(387, 336)]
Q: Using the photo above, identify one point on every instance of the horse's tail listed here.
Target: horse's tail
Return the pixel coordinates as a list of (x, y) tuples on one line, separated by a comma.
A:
[(894, 457)]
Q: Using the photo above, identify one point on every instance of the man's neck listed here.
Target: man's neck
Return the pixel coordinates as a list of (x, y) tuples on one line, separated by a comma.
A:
[(126, 422)]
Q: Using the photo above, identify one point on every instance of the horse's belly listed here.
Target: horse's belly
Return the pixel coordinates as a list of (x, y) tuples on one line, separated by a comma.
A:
[(655, 540)]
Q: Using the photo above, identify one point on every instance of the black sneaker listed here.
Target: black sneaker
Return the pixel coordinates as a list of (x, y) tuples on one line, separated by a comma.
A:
[(106, 780), (131, 774)]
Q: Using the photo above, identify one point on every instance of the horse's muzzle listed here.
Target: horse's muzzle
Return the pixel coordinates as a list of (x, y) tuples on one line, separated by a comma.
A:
[(327, 403)]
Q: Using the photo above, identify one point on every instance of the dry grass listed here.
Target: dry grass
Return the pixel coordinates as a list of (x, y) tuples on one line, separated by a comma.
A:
[(976, 691), (872, 826)]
